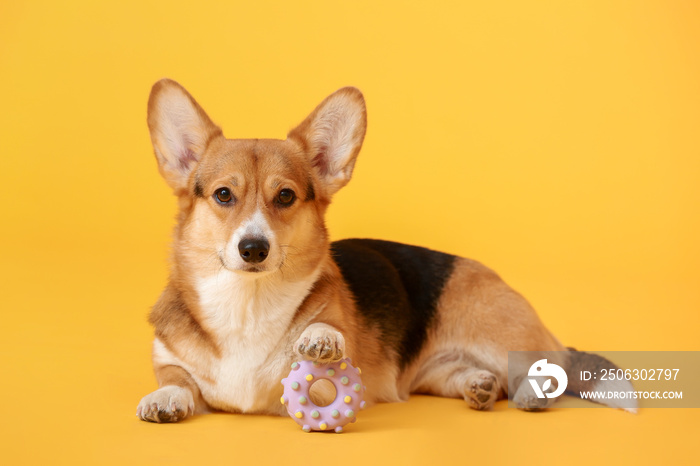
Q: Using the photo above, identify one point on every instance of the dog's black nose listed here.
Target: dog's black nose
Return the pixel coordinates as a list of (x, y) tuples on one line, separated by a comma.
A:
[(254, 249)]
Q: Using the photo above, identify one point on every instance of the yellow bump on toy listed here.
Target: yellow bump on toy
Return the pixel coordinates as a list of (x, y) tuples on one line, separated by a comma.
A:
[(347, 399), (359, 371), (298, 414), (343, 366), (282, 400), (309, 377), (323, 426)]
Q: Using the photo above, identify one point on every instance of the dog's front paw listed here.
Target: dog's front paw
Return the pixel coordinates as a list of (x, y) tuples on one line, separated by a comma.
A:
[(167, 404), (322, 343)]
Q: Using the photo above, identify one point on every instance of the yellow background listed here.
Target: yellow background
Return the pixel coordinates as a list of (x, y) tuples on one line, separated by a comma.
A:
[(556, 142)]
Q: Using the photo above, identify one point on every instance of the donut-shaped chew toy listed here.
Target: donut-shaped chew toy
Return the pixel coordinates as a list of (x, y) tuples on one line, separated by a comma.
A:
[(341, 411)]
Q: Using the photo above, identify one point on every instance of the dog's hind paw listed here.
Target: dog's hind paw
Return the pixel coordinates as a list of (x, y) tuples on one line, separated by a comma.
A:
[(167, 404), (526, 399), (481, 390)]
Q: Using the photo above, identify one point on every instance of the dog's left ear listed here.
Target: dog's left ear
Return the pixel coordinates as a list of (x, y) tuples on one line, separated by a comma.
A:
[(332, 136)]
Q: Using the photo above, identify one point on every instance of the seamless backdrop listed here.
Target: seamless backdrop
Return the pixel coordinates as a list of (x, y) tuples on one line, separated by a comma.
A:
[(556, 142)]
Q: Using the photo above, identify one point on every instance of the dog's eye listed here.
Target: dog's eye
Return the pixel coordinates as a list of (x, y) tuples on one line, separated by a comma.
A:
[(223, 196), (286, 197)]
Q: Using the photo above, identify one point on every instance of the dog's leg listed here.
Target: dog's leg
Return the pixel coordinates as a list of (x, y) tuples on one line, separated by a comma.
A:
[(454, 376), (321, 342), (174, 400)]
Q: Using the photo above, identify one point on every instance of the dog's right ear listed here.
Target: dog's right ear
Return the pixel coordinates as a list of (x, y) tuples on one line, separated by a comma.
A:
[(180, 131)]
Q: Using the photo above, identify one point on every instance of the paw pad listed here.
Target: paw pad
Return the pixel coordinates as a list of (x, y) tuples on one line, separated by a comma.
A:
[(481, 393)]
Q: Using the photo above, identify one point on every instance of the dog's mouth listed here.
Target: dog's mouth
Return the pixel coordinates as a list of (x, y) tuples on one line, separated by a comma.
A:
[(245, 269), (253, 269)]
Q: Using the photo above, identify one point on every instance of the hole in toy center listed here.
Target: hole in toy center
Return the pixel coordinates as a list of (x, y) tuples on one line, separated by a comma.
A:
[(322, 392)]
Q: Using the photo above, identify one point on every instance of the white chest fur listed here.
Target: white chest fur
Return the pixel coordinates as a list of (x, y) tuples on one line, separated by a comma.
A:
[(250, 318)]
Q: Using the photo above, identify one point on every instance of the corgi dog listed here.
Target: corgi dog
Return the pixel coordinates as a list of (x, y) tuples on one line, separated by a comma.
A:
[(256, 284)]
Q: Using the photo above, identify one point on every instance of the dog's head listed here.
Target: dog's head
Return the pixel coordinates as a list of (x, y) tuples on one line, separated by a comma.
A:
[(253, 206)]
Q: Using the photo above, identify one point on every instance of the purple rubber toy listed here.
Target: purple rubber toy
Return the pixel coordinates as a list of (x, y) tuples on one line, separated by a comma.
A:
[(348, 400)]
